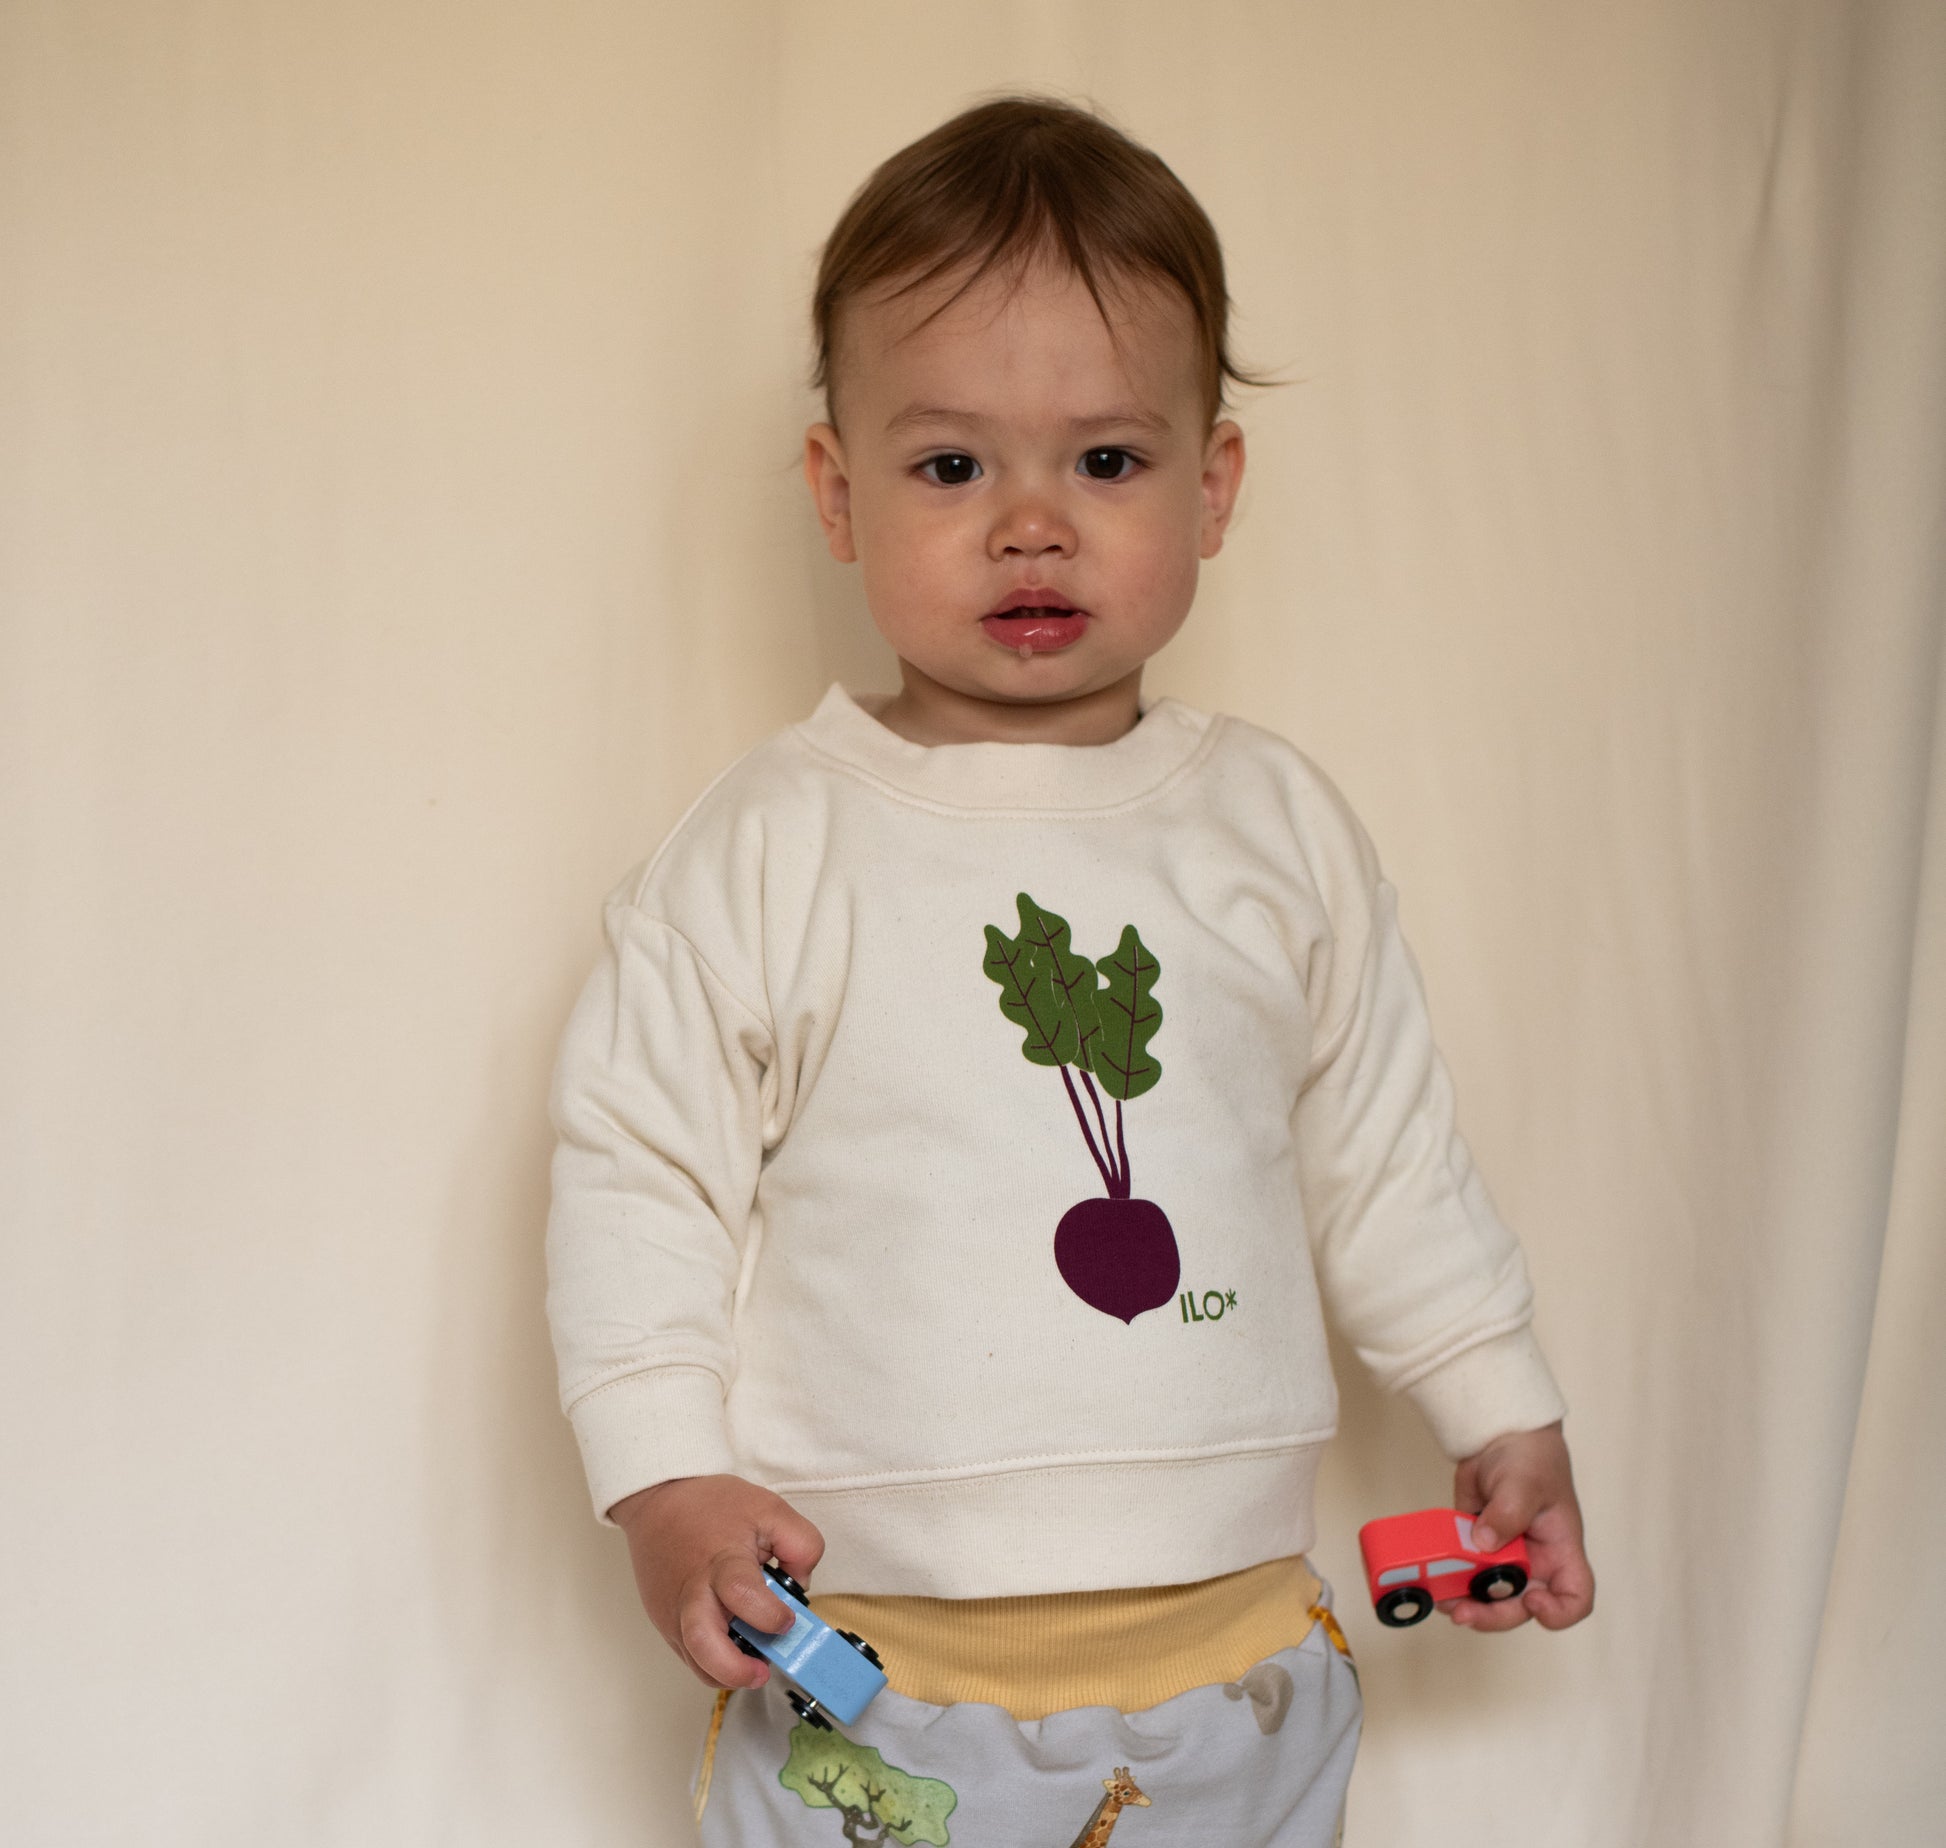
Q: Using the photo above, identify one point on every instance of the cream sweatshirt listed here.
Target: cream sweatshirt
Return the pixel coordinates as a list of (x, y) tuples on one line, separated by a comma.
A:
[(967, 1143)]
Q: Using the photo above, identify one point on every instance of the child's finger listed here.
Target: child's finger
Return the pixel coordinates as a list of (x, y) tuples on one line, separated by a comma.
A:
[(705, 1631), (797, 1545), (1552, 1611), (1472, 1614), (1510, 1510), (1565, 1595), (741, 1588)]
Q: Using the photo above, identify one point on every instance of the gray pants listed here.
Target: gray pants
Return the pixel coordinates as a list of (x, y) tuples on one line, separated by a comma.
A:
[(1256, 1763)]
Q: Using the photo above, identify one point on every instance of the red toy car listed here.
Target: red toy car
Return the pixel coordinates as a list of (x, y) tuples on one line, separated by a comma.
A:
[(1414, 1561)]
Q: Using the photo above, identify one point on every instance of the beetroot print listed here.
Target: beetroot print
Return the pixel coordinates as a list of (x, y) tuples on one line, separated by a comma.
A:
[(1118, 1254)]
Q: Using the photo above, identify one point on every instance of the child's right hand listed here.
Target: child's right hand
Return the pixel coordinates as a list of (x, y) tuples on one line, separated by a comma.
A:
[(698, 1545)]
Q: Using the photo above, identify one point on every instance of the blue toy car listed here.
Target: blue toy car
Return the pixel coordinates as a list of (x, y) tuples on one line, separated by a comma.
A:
[(837, 1674)]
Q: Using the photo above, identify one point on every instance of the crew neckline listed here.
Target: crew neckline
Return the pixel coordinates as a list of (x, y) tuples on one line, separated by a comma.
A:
[(1164, 740)]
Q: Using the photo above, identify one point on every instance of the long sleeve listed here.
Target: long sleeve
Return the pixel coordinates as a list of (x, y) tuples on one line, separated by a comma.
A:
[(659, 1103), (1418, 1268)]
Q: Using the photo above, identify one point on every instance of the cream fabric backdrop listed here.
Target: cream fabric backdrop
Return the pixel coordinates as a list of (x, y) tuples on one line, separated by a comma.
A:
[(400, 411)]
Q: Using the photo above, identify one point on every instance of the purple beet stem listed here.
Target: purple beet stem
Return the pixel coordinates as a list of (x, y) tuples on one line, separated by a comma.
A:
[(1101, 1119), (1080, 1116), (1113, 1165)]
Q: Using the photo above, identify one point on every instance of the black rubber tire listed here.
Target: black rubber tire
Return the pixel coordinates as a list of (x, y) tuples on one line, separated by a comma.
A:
[(1496, 1584), (1407, 1605), (780, 1577), (864, 1648), (746, 1645), (808, 1710)]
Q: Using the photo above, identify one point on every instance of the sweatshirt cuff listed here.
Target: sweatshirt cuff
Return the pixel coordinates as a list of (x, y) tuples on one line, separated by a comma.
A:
[(650, 1427), (1486, 1391)]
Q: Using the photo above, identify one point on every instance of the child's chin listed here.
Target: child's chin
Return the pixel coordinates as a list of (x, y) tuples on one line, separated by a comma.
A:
[(1041, 688)]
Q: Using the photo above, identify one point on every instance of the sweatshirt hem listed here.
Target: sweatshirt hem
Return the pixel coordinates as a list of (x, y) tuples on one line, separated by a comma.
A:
[(1092, 1525), (1054, 1460)]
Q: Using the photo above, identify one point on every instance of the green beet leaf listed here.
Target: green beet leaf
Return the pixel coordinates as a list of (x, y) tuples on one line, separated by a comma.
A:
[(1129, 1014), (1073, 977), (1029, 998)]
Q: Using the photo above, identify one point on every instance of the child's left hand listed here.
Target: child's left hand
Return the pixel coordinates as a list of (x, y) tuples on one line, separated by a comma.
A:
[(1523, 1484)]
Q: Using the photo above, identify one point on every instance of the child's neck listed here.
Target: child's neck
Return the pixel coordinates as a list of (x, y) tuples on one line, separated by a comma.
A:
[(926, 712)]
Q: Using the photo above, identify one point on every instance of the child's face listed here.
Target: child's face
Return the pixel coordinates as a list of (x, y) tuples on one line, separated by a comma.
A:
[(1028, 493)]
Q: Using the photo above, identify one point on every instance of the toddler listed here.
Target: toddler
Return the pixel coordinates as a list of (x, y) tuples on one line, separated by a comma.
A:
[(987, 1089)]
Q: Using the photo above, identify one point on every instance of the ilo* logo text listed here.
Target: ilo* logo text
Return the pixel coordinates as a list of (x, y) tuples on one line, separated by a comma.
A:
[(1210, 1306)]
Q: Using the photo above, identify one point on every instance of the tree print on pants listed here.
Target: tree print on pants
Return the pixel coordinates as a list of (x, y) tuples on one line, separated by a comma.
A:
[(878, 1802), (1117, 1254)]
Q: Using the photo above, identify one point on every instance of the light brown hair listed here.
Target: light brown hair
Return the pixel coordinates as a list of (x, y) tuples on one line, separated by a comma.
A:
[(1015, 181)]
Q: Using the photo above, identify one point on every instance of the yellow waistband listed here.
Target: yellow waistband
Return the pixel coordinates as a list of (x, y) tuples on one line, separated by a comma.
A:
[(1122, 1649)]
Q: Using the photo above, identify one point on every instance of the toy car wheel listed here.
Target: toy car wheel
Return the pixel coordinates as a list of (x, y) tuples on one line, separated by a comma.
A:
[(864, 1648), (1408, 1605), (746, 1645), (784, 1581), (808, 1710), (1496, 1584)]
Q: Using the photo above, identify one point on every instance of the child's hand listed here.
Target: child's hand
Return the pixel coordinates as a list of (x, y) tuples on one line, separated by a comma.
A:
[(698, 1545), (1522, 1484)]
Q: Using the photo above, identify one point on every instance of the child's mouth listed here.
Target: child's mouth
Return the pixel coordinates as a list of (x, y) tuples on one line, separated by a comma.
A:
[(1037, 629)]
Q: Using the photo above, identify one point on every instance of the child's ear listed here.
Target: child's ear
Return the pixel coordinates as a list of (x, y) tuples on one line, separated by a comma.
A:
[(1222, 476), (824, 469)]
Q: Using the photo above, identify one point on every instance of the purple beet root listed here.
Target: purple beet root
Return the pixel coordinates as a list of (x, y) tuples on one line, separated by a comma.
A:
[(1118, 1256)]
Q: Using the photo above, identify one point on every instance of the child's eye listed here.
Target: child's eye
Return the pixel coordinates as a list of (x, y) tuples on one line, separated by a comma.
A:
[(1107, 464), (951, 470)]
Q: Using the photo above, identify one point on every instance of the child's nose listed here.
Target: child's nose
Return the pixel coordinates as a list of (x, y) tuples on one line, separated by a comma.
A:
[(1031, 525)]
